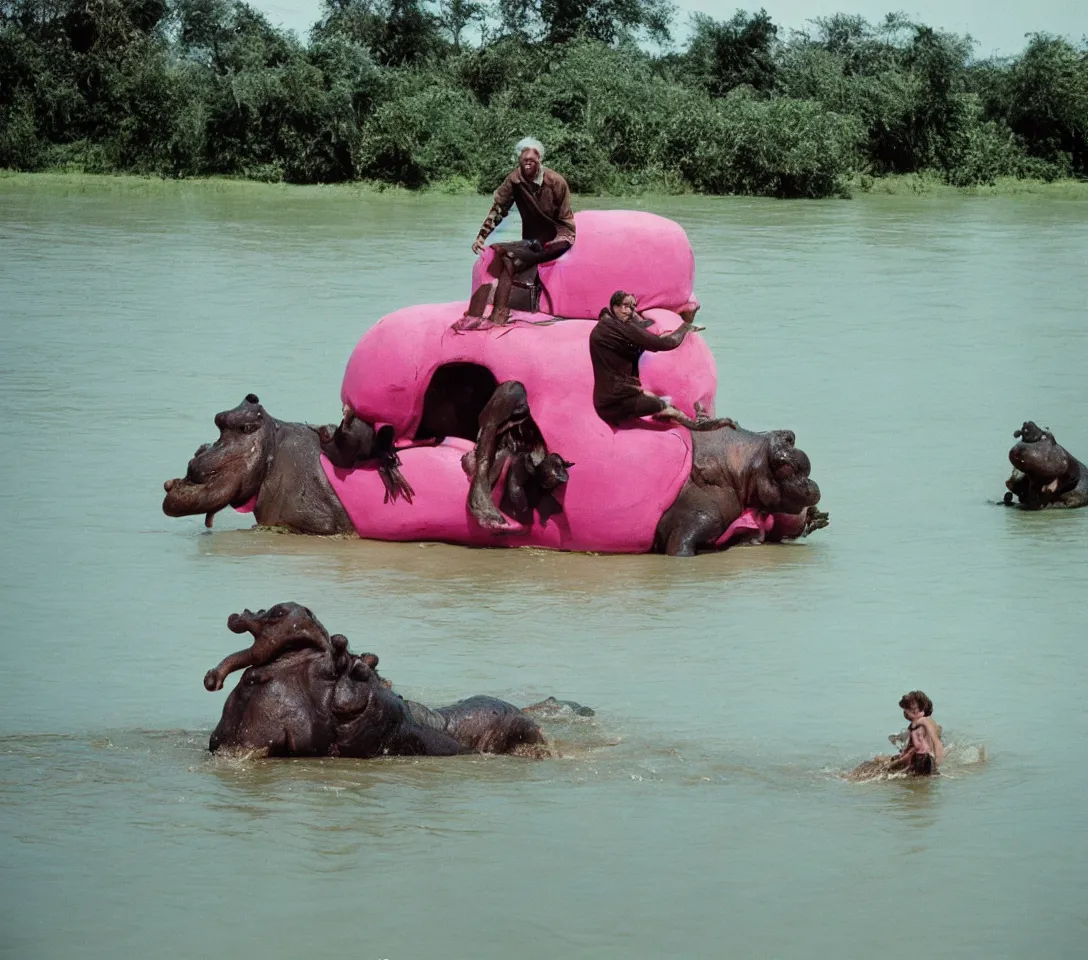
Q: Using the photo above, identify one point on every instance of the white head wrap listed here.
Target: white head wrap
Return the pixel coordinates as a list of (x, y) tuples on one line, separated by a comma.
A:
[(529, 143)]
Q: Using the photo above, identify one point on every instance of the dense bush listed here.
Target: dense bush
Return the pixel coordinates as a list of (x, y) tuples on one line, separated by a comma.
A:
[(415, 92)]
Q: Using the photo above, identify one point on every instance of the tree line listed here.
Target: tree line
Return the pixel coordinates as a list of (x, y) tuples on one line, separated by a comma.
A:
[(420, 92)]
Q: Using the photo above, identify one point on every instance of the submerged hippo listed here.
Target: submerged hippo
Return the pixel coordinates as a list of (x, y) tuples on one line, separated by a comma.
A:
[(304, 694), (737, 484), (1044, 473)]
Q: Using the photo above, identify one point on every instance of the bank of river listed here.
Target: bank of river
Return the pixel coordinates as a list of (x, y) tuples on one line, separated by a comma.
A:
[(906, 185), (699, 813)]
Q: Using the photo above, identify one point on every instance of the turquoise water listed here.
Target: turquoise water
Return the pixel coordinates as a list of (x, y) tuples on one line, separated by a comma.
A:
[(700, 812)]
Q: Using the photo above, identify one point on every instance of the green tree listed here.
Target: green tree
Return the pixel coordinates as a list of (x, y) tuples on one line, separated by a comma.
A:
[(725, 55), (396, 32), (1043, 97), (559, 21), (455, 16)]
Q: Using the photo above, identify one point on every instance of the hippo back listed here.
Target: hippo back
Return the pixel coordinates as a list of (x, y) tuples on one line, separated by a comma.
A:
[(642, 253)]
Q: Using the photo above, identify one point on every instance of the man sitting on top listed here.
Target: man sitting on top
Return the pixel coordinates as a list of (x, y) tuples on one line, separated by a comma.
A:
[(547, 230), (616, 342)]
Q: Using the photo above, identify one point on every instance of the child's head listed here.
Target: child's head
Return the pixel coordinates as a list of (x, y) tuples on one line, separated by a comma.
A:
[(916, 701)]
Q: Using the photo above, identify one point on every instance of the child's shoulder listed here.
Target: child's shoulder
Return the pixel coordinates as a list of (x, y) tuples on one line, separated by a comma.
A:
[(931, 725)]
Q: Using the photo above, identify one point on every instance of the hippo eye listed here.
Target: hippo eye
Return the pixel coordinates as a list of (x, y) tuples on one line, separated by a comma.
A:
[(250, 427)]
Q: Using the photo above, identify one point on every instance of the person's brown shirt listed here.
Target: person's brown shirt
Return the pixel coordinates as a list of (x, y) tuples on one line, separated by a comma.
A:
[(545, 209), (614, 348)]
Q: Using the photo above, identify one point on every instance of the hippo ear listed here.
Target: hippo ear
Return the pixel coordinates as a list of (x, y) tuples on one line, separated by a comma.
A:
[(252, 398), (566, 463), (370, 659)]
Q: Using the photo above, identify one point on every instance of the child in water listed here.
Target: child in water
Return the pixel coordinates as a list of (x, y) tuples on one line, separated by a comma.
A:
[(923, 753)]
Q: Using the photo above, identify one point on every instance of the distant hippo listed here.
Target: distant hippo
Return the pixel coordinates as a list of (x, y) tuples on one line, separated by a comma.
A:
[(1044, 473), (304, 694)]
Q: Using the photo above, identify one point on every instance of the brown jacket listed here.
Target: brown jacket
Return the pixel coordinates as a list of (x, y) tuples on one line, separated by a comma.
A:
[(545, 209), (615, 346)]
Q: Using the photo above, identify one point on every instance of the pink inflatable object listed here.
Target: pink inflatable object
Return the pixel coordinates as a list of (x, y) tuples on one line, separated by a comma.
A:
[(622, 480), (641, 253)]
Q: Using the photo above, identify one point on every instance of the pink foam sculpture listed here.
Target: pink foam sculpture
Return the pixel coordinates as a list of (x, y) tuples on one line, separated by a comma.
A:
[(642, 253), (623, 479)]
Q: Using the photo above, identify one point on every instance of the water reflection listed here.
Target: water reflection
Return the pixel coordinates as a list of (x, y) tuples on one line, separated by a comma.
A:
[(354, 561)]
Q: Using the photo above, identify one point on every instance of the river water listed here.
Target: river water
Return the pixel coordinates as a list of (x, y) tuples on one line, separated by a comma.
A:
[(699, 813)]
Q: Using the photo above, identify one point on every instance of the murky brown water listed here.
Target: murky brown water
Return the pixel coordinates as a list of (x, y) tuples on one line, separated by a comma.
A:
[(698, 814)]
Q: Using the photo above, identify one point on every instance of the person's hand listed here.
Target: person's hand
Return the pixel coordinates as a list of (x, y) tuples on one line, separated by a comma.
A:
[(478, 246)]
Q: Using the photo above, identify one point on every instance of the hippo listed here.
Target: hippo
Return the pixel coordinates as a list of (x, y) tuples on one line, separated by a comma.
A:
[(1044, 473), (261, 464), (305, 694), (733, 471)]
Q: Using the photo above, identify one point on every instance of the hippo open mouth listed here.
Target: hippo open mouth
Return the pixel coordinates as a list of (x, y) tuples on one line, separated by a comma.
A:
[(225, 473)]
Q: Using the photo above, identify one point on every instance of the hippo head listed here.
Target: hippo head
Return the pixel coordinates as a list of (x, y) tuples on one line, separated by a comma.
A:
[(1043, 470), (552, 471), (281, 629), (1039, 455), (228, 472), (788, 489), (301, 686), (279, 706)]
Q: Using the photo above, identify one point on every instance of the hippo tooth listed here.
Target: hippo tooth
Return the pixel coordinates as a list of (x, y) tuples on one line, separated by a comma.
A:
[(1052, 486)]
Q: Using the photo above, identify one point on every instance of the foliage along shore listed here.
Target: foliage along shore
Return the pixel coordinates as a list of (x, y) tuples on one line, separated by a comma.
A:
[(898, 185), (392, 92)]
